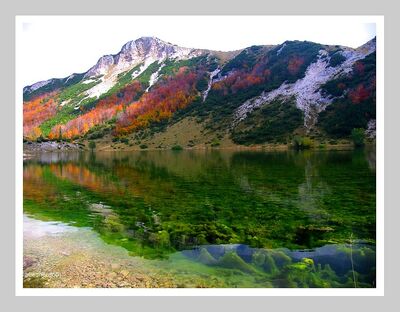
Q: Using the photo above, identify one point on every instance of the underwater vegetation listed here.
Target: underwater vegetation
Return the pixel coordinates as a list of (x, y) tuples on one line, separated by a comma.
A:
[(292, 219), (329, 266)]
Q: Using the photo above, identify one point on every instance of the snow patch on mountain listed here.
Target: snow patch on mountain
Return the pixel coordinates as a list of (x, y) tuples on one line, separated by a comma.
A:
[(70, 77), (143, 67), (306, 90), (88, 81), (65, 102), (102, 87), (210, 82), (280, 49), (154, 77)]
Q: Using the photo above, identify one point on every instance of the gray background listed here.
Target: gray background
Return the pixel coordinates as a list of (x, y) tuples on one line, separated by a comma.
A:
[(204, 7)]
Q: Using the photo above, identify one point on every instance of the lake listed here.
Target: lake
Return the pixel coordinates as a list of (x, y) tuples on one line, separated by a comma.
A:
[(200, 218)]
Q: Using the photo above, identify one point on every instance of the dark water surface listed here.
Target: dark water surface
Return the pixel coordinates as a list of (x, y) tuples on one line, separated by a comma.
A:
[(254, 219)]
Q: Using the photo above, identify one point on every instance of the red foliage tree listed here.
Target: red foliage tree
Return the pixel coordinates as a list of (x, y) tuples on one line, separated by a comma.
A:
[(359, 94), (239, 80), (359, 68), (160, 103), (294, 64)]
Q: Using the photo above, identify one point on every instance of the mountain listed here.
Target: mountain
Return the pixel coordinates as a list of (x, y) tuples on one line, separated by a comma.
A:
[(156, 94)]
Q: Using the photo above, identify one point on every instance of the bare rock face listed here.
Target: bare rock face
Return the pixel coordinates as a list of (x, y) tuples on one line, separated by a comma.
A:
[(151, 47), (138, 51), (37, 85), (306, 90), (102, 66), (371, 129), (143, 51)]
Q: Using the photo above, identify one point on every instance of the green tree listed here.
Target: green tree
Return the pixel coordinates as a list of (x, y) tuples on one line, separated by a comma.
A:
[(176, 148), (358, 136), (92, 145)]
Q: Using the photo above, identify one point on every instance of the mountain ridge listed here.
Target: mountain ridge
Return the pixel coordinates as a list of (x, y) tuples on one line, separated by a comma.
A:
[(223, 88), (43, 82)]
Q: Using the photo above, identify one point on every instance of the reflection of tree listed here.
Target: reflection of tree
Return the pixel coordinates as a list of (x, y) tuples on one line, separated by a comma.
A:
[(312, 192), (35, 188), (370, 155), (261, 199)]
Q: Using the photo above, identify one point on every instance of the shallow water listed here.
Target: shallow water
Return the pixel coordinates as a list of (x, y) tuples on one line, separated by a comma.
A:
[(208, 218)]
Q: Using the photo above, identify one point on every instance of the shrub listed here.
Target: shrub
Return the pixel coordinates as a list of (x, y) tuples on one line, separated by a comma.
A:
[(358, 136), (95, 135), (176, 148), (300, 143), (143, 146), (215, 143), (336, 59), (273, 122), (124, 140)]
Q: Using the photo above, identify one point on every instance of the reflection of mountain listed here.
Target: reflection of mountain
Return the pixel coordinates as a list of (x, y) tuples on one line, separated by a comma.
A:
[(157, 202)]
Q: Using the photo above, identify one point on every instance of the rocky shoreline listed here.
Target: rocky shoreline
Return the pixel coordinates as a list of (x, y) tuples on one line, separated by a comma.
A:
[(51, 146)]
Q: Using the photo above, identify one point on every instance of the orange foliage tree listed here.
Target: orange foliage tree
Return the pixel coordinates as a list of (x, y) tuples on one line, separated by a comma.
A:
[(35, 112), (104, 110), (159, 104)]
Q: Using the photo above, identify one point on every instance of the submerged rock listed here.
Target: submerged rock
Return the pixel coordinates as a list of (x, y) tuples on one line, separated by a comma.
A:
[(280, 258), (264, 260), (205, 257), (232, 261)]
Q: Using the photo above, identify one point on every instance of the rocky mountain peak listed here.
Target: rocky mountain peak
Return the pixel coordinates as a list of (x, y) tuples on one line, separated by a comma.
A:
[(138, 51), (145, 45)]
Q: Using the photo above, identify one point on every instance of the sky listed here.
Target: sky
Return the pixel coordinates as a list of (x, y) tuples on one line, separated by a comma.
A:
[(57, 46)]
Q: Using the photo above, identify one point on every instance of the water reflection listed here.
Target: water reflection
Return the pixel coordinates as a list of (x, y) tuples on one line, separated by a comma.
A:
[(153, 203)]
